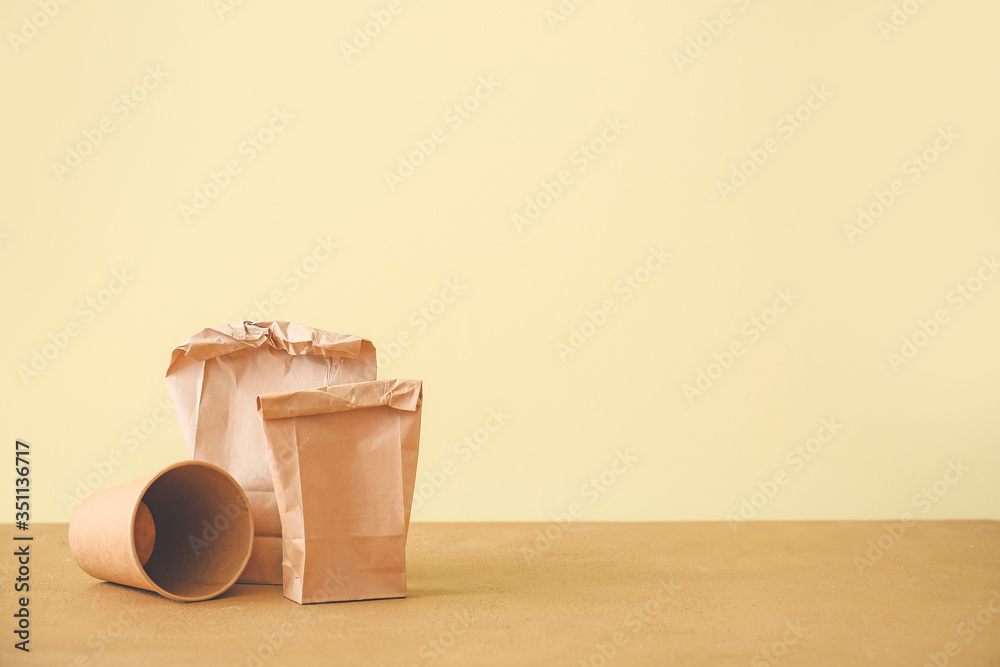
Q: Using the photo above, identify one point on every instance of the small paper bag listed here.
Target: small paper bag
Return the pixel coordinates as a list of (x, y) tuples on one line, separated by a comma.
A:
[(344, 460), (214, 379)]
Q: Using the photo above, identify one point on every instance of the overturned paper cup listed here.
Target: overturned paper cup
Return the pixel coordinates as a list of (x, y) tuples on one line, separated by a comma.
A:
[(185, 532)]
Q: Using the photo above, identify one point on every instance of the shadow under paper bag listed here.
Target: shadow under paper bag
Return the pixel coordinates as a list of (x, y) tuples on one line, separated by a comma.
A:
[(343, 460)]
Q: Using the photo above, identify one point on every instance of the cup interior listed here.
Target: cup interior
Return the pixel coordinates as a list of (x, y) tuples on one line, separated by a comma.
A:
[(203, 529)]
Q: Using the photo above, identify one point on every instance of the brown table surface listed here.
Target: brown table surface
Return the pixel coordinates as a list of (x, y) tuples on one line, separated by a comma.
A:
[(788, 593)]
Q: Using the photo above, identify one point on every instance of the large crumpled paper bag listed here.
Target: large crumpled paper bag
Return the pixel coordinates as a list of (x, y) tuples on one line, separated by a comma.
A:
[(214, 379), (344, 462)]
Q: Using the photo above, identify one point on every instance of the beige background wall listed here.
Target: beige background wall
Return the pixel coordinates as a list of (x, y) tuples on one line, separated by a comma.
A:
[(622, 144)]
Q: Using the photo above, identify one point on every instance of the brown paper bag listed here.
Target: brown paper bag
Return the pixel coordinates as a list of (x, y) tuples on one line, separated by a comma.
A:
[(214, 379), (344, 462)]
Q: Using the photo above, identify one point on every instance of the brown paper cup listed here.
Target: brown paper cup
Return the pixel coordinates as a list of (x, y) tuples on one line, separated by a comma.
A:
[(198, 521)]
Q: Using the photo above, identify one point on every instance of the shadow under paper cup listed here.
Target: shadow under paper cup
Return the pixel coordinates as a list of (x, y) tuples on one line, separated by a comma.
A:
[(192, 544)]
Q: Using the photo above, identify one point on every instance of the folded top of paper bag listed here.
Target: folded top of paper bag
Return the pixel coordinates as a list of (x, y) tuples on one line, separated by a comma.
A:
[(399, 394), (295, 339)]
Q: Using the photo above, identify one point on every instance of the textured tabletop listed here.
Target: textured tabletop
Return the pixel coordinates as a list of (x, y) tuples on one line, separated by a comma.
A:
[(790, 593)]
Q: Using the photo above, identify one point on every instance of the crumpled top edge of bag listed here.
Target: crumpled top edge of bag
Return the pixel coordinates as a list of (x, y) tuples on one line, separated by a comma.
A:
[(296, 339), (397, 393)]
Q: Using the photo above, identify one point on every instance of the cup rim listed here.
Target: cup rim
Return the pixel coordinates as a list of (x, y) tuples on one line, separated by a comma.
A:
[(153, 586)]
